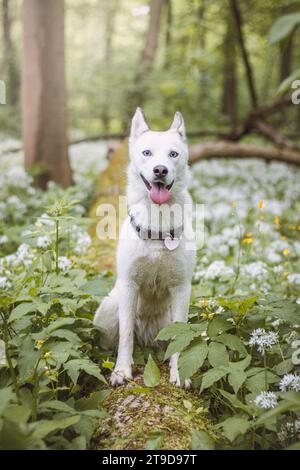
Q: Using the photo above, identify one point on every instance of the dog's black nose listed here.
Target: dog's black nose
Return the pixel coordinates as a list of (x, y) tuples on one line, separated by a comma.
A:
[(160, 171)]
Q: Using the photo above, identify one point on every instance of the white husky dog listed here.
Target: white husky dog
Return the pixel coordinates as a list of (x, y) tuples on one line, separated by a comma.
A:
[(155, 257)]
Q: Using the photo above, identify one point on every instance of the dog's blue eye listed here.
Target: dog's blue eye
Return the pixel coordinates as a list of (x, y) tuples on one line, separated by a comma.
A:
[(147, 153), (173, 154)]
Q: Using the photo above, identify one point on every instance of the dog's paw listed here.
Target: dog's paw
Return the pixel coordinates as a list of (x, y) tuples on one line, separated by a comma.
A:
[(120, 376), (175, 380)]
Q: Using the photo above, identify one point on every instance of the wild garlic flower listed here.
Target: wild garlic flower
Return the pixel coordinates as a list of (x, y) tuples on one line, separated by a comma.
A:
[(3, 239), (2, 353), (290, 382), (64, 263), (4, 283), (266, 400), (43, 242), (264, 340)]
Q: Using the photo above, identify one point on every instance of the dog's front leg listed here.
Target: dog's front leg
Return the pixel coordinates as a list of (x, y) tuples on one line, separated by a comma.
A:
[(180, 299), (128, 294)]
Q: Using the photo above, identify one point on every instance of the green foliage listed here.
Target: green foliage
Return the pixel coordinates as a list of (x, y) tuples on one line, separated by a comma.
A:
[(283, 27), (216, 353), (50, 343), (151, 373)]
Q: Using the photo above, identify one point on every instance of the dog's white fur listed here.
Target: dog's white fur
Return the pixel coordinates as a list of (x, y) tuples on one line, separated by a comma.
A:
[(153, 283)]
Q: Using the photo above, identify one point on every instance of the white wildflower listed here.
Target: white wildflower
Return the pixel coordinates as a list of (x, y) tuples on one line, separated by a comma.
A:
[(294, 278), (44, 219), (255, 270), (218, 270), (276, 323), (4, 283), (3, 239), (278, 269), (64, 263), (298, 301), (262, 339), (43, 242), (2, 353), (290, 382), (266, 400), (82, 241)]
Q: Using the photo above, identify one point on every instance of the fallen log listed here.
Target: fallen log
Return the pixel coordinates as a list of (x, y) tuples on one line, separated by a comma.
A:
[(227, 149)]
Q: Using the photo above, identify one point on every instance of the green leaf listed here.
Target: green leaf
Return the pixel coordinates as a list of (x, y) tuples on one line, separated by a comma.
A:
[(201, 440), (286, 84), (156, 441), (151, 373), (56, 325), (93, 401), (6, 396), (283, 367), (75, 366), (238, 306), (56, 405), (177, 329), (235, 402), (236, 379), (256, 383), (233, 342), (283, 27), (180, 343), (192, 359), (17, 413), (235, 426), (45, 427), (217, 325), (212, 376), (218, 355), (21, 310)]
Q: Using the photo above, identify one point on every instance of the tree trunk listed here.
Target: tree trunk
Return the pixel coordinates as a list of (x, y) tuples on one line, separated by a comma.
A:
[(168, 32), (10, 68), (236, 14), (286, 49), (202, 43), (229, 97), (44, 116), (110, 10), (138, 96)]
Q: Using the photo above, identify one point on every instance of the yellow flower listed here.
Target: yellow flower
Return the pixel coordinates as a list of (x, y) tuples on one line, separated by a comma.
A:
[(286, 252), (210, 316), (248, 239), (47, 355), (261, 204), (39, 343), (233, 204), (276, 220)]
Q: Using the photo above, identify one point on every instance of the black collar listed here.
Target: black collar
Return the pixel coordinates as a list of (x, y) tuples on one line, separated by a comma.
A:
[(150, 234)]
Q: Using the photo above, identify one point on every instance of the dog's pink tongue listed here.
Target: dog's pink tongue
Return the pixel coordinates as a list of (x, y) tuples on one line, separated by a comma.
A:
[(159, 194)]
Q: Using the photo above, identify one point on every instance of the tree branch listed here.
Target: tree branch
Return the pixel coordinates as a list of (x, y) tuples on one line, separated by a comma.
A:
[(225, 149)]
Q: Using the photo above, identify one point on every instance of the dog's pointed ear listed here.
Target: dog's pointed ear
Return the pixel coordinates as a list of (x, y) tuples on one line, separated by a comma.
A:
[(178, 124), (138, 125)]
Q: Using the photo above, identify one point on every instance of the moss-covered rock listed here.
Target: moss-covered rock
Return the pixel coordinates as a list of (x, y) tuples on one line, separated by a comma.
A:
[(161, 417)]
